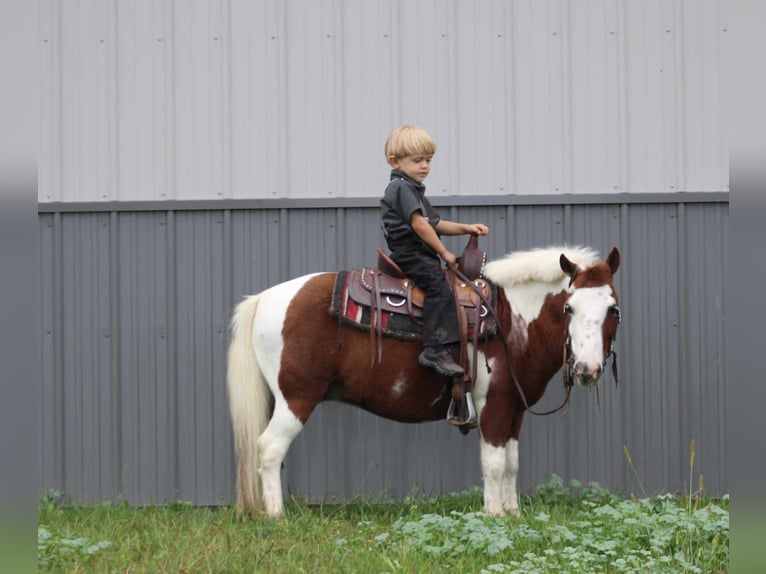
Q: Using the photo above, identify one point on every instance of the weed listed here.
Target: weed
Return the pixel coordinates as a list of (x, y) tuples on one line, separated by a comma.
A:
[(562, 529), (605, 533), (52, 545)]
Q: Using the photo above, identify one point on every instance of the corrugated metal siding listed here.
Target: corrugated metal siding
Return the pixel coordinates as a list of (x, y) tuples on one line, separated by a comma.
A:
[(134, 317), (157, 100)]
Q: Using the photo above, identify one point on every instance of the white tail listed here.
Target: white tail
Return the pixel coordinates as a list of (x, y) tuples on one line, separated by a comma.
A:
[(250, 404)]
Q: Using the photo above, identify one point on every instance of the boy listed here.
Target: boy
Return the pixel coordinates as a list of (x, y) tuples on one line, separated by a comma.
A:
[(412, 228)]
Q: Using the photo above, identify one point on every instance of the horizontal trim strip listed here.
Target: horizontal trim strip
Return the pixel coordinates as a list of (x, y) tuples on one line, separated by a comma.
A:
[(362, 202)]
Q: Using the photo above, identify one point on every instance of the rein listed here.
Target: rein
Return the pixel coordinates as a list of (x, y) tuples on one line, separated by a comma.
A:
[(568, 383)]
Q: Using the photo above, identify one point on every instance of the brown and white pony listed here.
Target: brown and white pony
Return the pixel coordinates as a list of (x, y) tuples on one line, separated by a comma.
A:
[(284, 360)]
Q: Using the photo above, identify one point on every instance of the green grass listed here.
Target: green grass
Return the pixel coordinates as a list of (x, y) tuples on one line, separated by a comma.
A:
[(561, 529)]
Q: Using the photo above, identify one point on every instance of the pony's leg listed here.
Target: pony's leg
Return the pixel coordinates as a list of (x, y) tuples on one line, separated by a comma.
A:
[(272, 446), (493, 466), (493, 461), (510, 497)]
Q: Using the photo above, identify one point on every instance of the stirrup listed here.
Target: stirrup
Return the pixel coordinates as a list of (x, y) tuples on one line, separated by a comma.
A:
[(472, 421)]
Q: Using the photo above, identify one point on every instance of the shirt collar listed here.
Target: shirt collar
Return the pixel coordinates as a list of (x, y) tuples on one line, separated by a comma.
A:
[(395, 174)]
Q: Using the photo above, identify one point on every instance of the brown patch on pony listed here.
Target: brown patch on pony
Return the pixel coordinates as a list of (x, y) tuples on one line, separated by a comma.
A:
[(594, 276), (599, 274), (308, 340), (314, 369)]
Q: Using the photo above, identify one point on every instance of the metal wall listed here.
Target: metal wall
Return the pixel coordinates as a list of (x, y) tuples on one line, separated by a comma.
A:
[(135, 306), (209, 99)]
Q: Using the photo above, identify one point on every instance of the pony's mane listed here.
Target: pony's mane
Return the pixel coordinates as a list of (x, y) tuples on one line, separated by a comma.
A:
[(541, 264)]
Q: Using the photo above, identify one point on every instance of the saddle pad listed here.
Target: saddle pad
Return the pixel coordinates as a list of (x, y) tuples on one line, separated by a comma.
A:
[(351, 304)]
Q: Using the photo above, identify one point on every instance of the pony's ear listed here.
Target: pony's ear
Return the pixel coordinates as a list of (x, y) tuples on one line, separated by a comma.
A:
[(568, 267), (613, 260)]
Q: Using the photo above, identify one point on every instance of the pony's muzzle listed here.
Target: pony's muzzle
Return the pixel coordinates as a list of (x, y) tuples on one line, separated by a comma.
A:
[(587, 375)]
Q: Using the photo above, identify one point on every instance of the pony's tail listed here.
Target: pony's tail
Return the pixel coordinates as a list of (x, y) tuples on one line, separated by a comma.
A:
[(250, 405)]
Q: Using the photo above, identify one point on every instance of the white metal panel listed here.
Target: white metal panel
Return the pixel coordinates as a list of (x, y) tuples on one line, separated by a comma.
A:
[(702, 26), (49, 170), (145, 102), (208, 99), (594, 97), (480, 145), (199, 88), (371, 104), (258, 147)]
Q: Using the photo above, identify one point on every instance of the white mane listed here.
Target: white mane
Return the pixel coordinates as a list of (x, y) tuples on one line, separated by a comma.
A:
[(538, 265)]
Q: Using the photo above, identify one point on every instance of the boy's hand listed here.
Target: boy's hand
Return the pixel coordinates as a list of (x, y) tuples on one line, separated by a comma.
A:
[(477, 229), (449, 257)]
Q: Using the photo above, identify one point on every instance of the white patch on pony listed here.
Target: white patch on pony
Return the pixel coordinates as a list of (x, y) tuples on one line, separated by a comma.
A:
[(267, 328), (589, 307), (399, 385), (272, 446), (527, 299), (284, 426), (536, 265), (492, 471), (481, 384), (510, 498), (529, 276)]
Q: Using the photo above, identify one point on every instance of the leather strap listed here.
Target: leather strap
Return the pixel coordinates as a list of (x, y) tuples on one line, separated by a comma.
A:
[(466, 383), (409, 283), (376, 319)]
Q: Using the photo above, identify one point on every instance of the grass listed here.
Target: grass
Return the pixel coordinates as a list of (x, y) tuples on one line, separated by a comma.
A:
[(561, 529)]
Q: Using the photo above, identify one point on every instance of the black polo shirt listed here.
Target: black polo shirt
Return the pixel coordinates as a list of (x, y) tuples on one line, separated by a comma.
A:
[(403, 197)]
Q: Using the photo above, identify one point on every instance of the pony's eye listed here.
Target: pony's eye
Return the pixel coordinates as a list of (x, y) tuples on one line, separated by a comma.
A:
[(614, 311), (567, 309)]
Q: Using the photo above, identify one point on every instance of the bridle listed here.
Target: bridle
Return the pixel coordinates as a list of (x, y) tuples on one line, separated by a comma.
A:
[(568, 361)]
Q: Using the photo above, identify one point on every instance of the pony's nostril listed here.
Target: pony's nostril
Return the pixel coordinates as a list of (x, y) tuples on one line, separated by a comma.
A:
[(597, 372)]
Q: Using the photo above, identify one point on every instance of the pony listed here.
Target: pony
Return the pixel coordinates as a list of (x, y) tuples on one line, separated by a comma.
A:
[(284, 359)]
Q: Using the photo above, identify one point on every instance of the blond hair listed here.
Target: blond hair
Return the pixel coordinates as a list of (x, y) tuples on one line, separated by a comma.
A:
[(405, 141)]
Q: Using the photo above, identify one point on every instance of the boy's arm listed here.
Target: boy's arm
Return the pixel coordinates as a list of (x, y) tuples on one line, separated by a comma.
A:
[(453, 228), (424, 230)]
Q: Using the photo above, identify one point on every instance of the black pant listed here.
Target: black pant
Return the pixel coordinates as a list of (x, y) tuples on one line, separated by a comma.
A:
[(440, 324)]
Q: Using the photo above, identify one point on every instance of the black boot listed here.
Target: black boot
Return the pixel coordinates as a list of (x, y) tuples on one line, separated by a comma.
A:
[(441, 361)]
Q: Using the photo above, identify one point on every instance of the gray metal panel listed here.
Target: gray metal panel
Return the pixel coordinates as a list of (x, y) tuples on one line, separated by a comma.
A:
[(134, 317), (266, 99)]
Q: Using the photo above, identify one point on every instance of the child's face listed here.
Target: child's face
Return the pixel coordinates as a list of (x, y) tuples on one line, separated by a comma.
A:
[(415, 166)]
